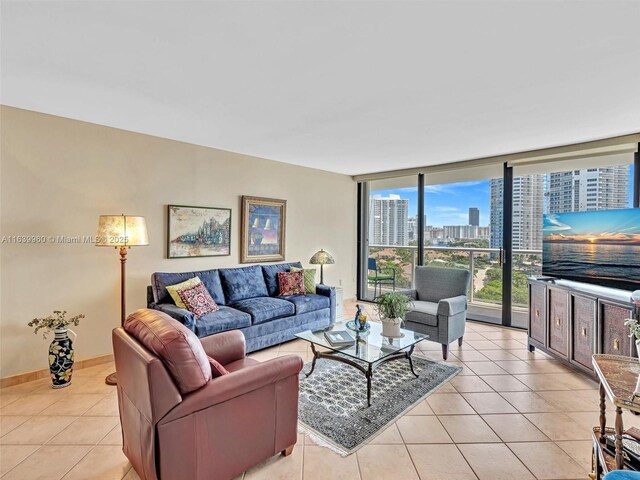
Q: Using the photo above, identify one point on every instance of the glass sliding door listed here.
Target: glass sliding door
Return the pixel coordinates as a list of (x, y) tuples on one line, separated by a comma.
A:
[(390, 231), (596, 183)]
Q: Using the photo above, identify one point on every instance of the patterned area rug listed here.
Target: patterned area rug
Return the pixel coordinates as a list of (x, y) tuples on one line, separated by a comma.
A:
[(333, 400)]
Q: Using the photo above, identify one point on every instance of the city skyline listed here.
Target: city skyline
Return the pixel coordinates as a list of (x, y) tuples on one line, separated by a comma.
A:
[(448, 204)]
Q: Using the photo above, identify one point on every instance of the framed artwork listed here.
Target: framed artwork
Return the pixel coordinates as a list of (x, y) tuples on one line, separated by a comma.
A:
[(263, 229), (198, 231)]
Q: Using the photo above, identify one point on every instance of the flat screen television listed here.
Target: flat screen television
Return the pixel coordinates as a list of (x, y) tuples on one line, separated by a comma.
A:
[(600, 247)]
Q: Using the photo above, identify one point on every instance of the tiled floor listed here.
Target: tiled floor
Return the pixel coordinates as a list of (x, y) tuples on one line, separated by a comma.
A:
[(510, 414)]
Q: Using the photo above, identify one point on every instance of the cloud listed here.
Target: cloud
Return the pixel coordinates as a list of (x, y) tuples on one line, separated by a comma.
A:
[(443, 209)]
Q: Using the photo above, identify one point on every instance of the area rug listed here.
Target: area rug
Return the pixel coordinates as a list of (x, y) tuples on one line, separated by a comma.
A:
[(333, 400)]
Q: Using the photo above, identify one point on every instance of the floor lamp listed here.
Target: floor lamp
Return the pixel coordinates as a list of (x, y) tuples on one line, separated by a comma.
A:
[(123, 232)]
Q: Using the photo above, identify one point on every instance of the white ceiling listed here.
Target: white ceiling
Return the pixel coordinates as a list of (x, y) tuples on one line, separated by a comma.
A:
[(350, 87)]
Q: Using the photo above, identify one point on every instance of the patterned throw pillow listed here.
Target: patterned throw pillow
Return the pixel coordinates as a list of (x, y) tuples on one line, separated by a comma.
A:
[(173, 290), (198, 300), (291, 283), (217, 369), (309, 278)]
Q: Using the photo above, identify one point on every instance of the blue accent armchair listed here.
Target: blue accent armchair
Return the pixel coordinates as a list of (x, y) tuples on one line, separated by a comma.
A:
[(622, 475)]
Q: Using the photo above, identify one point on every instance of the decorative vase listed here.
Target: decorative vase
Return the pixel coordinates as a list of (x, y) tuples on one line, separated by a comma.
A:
[(61, 357), (391, 327)]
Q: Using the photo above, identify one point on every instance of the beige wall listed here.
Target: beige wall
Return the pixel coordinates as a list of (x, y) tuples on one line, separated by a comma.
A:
[(57, 176)]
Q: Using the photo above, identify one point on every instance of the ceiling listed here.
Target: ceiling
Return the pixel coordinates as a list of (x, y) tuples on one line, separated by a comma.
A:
[(351, 87)]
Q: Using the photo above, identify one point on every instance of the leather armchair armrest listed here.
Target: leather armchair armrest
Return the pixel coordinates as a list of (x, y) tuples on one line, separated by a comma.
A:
[(225, 347), (183, 316), (452, 306), (235, 384), (412, 294)]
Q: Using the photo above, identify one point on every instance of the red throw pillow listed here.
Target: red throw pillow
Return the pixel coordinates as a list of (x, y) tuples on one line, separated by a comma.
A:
[(217, 369), (291, 283), (198, 300)]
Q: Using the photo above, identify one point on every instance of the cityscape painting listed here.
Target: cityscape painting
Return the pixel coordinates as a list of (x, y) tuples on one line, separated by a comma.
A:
[(600, 247), (263, 229), (198, 231)]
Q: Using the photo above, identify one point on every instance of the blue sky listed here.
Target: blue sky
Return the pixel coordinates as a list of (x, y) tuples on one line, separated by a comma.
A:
[(448, 204)]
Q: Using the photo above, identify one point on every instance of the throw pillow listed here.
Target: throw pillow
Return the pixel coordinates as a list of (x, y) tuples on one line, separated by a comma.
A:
[(309, 278), (173, 290), (217, 369), (291, 283), (198, 300)]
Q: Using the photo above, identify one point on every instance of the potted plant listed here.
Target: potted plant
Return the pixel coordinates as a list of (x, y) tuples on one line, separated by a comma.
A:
[(392, 308), (61, 348)]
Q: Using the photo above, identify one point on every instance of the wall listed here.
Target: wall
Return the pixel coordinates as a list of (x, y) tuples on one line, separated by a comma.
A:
[(58, 175)]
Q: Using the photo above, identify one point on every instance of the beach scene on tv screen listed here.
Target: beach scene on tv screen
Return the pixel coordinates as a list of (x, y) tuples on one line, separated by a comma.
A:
[(601, 247)]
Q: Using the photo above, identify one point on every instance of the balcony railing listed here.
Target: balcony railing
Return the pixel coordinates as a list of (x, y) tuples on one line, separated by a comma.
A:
[(483, 263)]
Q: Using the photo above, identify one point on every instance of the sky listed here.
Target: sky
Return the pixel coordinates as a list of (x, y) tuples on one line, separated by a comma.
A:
[(448, 204)]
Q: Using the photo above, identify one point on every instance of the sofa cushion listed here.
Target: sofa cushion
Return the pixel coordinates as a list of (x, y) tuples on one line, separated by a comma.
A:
[(224, 319), (242, 283), (424, 312), (160, 281), (176, 345), (211, 280), (263, 309), (309, 278), (270, 273), (309, 302), (173, 290), (291, 283)]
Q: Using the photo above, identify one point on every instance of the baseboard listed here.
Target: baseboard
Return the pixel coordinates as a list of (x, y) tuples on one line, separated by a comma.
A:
[(44, 373)]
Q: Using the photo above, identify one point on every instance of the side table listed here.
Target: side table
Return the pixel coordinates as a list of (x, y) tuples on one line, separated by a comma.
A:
[(618, 376)]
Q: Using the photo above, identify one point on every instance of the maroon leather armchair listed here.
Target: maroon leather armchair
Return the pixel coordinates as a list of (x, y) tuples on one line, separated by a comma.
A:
[(223, 425)]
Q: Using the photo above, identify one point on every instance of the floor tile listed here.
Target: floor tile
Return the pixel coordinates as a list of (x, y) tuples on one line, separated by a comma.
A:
[(470, 356), (528, 402), (421, 408), (30, 404), (470, 383), (103, 462), (509, 344), (10, 422), (488, 403), (73, 405), (449, 404), (50, 462), (390, 436), (12, 455), (440, 462), (85, 431), (7, 398), (515, 366), (114, 437), (279, 467), (558, 426), (494, 461), (37, 430), (486, 368), (514, 427), (579, 450), (468, 429), (107, 407), (482, 344), (568, 401), (422, 429), (547, 461), (504, 383), (321, 463), (502, 355), (386, 462)]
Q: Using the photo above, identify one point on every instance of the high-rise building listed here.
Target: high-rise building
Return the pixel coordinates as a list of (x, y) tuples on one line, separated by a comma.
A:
[(528, 202), (389, 220), (474, 216), (412, 225), (602, 188)]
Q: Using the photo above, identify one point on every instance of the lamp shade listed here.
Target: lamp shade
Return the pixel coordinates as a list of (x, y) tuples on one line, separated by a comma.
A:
[(121, 231), (322, 258)]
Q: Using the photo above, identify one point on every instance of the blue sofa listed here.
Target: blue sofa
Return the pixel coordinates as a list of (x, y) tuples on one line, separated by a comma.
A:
[(248, 300)]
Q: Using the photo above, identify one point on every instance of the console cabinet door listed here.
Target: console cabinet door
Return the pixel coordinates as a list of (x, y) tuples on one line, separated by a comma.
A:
[(614, 335), (559, 321), (537, 312), (584, 314)]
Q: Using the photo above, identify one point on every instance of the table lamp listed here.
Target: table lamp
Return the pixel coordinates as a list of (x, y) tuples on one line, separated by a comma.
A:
[(322, 258), (121, 231)]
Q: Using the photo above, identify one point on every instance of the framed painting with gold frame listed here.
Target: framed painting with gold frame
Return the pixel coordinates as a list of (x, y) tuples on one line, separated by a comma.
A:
[(263, 226)]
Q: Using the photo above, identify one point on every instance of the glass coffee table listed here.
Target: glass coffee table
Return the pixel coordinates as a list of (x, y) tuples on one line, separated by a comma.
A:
[(370, 350)]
